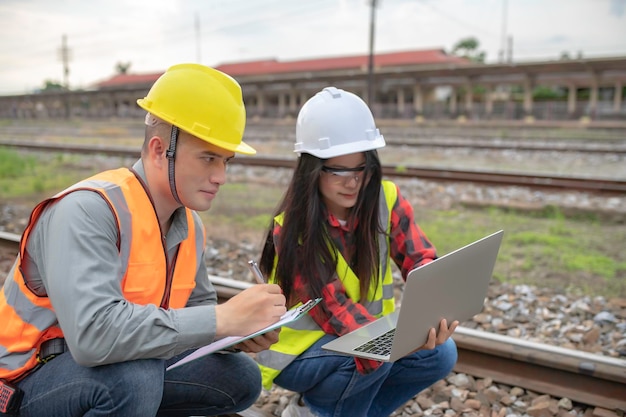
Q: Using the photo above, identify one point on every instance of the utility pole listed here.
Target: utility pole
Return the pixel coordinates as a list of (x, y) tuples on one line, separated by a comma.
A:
[(509, 52), (370, 65), (64, 55), (503, 39), (198, 40)]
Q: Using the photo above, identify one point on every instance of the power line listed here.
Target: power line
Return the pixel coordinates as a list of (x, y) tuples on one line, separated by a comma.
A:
[(462, 22), (93, 44)]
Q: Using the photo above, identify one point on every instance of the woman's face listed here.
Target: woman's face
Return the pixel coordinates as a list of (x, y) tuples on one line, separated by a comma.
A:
[(341, 181)]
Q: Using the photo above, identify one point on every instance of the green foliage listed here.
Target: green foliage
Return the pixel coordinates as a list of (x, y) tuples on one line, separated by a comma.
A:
[(583, 94), (240, 206), (548, 93), (468, 48), (467, 44), (258, 222), (39, 185), (51, 85), (12, 165), (595, 263), (23, 175), (550, 212), (122, 67), (545, 248), (533, 238)]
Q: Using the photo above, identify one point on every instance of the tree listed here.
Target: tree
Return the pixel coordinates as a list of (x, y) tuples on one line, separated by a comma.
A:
[(122, 67), (468, 48), (50, 85)]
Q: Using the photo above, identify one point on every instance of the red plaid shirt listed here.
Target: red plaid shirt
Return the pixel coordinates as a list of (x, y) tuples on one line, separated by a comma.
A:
[(409, 248)]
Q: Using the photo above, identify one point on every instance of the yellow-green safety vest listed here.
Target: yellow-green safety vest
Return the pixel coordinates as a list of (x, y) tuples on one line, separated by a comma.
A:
[(298, 336)]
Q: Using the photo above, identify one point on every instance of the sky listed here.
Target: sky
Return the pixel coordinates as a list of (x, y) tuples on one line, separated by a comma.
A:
[(152, 35)]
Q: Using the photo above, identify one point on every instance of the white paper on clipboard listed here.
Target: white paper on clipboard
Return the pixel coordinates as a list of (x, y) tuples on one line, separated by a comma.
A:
[(226, 342)]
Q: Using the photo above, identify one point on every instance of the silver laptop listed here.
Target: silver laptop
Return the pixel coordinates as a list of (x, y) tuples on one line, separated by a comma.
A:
[(453, 287)]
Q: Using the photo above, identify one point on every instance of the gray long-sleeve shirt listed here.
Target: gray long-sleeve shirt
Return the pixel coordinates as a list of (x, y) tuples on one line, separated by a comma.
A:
[(72, 256)]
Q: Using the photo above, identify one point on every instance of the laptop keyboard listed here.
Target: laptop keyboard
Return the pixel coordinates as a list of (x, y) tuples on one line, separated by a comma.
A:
[(380, 345)]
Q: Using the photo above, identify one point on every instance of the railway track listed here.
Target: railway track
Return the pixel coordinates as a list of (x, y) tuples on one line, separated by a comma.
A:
[(509, 145), (595, 185), (590, 379), (403, 135)]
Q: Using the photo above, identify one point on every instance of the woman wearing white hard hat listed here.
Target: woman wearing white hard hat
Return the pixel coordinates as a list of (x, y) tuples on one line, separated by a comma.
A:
[(335, 235)]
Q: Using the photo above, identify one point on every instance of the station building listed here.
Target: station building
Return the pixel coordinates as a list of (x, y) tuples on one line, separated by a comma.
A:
[(416, 85)]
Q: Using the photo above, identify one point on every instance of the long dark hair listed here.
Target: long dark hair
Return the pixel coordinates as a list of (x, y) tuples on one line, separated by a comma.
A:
[(304, 238)]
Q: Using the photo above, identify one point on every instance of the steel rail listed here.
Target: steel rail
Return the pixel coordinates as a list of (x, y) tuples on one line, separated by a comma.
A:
[(493, 178), (467, 131), (595, 185), (564, 373), (10, 241), (435, 140), (494, 137), (500, 178), (534, 147), (400, 138), (590, 379), (407, 139)]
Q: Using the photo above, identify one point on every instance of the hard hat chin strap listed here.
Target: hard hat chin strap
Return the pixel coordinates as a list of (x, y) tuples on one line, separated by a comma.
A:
[(171, 154)]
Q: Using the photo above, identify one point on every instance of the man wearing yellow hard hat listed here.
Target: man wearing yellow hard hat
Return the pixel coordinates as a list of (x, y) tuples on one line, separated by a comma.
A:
[(110, 286)]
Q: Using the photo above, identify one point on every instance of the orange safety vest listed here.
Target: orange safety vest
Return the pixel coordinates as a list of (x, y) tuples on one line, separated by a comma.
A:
[(29, 319)]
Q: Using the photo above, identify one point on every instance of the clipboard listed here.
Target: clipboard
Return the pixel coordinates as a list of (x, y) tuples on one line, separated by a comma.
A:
[(229, 341)]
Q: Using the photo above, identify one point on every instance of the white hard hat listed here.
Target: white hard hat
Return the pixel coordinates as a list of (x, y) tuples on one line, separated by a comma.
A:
[(335, 122)]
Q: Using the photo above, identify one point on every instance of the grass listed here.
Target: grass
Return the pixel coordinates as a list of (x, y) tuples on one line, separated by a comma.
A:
[(242, 209), (568, 254), (547, 248), (23, 175), (13, 166)]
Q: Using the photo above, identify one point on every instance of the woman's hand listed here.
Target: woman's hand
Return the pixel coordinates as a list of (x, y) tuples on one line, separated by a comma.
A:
[(436, 338)]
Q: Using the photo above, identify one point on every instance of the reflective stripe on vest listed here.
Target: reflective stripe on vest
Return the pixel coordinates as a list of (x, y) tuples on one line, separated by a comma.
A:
[(297, 337), (29, 318)]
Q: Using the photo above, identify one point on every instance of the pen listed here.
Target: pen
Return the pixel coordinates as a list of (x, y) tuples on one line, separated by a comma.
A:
[(256, 272)]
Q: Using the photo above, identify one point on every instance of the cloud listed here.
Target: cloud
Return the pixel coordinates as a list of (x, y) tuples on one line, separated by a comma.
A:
[(558, 39), (618, 7), (154, 34)]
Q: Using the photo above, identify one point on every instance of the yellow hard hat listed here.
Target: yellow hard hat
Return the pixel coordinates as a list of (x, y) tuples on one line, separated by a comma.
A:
[(202, 101)]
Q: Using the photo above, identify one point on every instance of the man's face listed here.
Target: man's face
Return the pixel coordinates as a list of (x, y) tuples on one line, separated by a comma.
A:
[(200, 170)]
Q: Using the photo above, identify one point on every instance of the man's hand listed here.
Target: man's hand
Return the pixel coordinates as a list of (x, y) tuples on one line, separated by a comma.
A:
[(252, 309), (259, 343)]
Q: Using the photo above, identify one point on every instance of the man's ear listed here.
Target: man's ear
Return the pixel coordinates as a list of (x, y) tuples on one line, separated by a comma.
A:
[(156, 150)]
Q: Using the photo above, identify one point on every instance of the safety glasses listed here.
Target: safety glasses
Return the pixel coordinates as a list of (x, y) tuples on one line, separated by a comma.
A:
[(344, 175)]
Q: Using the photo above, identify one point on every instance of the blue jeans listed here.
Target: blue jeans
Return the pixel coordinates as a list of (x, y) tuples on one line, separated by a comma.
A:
[(211, 385), (332, 387)]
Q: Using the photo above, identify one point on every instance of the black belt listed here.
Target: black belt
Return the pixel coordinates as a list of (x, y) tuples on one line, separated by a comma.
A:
[(51, 348)]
